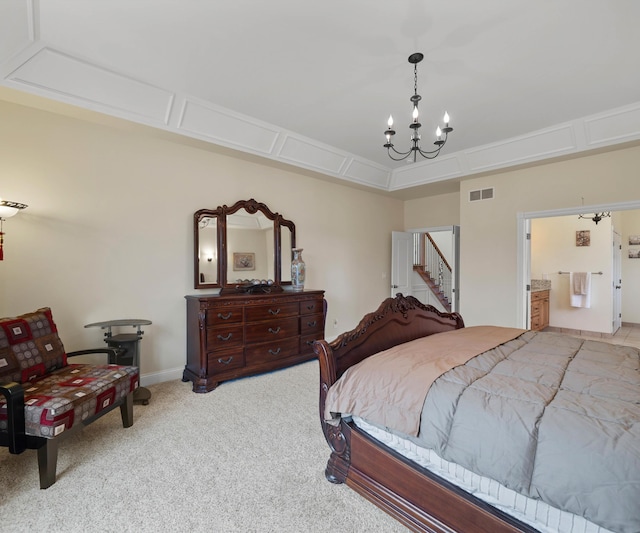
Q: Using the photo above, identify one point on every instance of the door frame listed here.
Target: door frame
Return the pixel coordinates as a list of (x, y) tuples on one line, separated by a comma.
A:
[(616, 239), (524, 257)]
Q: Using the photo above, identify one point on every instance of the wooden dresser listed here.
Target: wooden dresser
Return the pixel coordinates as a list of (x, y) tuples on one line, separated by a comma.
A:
[(539, 310), (237, 335)]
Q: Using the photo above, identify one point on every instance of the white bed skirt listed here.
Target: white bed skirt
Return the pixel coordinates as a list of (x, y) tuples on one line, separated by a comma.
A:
[(536, 513)]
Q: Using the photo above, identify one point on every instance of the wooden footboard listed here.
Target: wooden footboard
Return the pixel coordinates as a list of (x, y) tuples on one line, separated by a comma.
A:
[(417, 498)]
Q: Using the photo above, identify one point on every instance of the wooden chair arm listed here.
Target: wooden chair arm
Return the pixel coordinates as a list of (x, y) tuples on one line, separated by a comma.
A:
[(111, 352), (16, 437)]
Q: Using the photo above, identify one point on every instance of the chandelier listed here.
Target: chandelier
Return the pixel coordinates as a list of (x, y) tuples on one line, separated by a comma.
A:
[(597, 217), (441, 133)]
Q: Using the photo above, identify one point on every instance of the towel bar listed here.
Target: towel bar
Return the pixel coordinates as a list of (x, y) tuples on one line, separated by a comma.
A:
[(597, 273)]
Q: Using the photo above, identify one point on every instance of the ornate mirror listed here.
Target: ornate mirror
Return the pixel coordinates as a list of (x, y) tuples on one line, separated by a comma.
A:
[(245, 247)]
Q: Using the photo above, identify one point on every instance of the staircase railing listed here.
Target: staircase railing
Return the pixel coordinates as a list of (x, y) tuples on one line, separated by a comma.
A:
[(428, 258)]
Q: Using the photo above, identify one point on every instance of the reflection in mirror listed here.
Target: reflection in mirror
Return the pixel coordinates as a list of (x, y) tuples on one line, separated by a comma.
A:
[(208, 250), (249, 247), (286, 246)]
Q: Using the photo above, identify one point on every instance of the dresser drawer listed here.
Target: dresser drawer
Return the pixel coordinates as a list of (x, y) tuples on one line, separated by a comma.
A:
[(271, 311), (268, 331), (224, 337), (228, 315), (306, 342), (311, 324), (222, 361), (311, 307), (271, 351)]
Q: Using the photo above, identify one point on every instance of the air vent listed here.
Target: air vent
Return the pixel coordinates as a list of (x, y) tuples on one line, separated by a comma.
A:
[(481, 194)]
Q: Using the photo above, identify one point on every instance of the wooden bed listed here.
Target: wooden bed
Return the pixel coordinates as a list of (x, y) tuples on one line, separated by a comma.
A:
[(419, 499)]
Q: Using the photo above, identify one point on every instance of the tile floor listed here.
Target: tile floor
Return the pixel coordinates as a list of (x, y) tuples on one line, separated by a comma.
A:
[(626, 335)]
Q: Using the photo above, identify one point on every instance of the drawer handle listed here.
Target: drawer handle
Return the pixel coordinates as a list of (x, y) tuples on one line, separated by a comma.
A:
[(225, 338), (274, 352), (225, 317), (310, 343), (311, 307), (276, 312), (225, 361), (274, 331), (311, 324)]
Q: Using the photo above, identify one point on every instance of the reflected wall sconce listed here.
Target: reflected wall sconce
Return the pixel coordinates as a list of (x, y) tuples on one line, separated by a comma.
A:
[(7, 210)]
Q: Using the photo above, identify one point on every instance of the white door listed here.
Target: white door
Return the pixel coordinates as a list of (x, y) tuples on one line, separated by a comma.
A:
[(617, 282), (401, 262)]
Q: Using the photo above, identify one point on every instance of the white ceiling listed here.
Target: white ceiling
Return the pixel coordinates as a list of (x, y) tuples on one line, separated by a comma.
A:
[(313, 84)]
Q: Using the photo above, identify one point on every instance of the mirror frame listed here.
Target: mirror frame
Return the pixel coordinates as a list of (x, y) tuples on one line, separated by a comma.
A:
[(220, 214)]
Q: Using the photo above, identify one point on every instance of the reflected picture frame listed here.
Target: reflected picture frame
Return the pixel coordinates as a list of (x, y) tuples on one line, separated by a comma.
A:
[(244, 261)]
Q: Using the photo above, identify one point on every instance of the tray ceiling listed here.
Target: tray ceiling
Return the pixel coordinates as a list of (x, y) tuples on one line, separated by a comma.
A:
[(312, 86)]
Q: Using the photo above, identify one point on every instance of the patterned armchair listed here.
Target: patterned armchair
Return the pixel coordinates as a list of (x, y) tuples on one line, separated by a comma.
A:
[(44, 398)]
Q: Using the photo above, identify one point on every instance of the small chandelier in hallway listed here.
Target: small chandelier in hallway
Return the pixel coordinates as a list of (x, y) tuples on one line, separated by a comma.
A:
[(597, 217), (441, 133)]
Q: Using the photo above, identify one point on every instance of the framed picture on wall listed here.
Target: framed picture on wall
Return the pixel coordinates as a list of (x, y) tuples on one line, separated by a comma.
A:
[(583, 238), (634, 253), (634, 240), (244, 261)]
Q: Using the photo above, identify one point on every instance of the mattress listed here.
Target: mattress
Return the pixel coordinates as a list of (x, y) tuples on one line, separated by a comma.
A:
[(536, 513)]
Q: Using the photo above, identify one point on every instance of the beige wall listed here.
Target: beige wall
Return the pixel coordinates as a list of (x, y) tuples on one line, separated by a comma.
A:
[(108, 231), (489, 255), (433, 211)]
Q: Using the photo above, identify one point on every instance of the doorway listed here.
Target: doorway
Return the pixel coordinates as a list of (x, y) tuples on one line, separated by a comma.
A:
[(614, 286), (405, 254)]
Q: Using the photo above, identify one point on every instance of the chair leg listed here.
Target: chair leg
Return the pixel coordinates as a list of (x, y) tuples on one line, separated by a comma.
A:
[(47, 462), (126, 411)]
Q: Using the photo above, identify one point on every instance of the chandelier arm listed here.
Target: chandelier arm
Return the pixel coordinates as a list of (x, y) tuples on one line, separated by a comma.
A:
[(426, 153), (404, 155), (429, 155)]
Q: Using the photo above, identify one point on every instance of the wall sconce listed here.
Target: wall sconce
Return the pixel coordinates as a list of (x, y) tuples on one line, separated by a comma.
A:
[(7, 210)]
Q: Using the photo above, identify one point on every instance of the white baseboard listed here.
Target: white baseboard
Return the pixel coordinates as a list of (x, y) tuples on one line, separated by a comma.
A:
[(161, 377)]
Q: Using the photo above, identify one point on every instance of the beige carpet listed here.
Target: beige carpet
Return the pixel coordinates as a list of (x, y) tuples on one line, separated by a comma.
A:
[(247, 457)]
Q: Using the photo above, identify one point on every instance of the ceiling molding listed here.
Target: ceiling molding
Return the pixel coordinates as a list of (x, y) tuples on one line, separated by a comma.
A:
[(33, 66)]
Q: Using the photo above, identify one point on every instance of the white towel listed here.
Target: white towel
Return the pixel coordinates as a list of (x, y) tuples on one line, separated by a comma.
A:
[(580, 289)]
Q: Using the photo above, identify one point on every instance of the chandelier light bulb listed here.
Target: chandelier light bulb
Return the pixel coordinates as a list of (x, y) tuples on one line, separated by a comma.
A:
[(415, 114), (390, 121), (438, 133), (446, 118)]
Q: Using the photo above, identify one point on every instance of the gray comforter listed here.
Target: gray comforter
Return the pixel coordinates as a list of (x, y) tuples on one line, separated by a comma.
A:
[(549, 416)]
